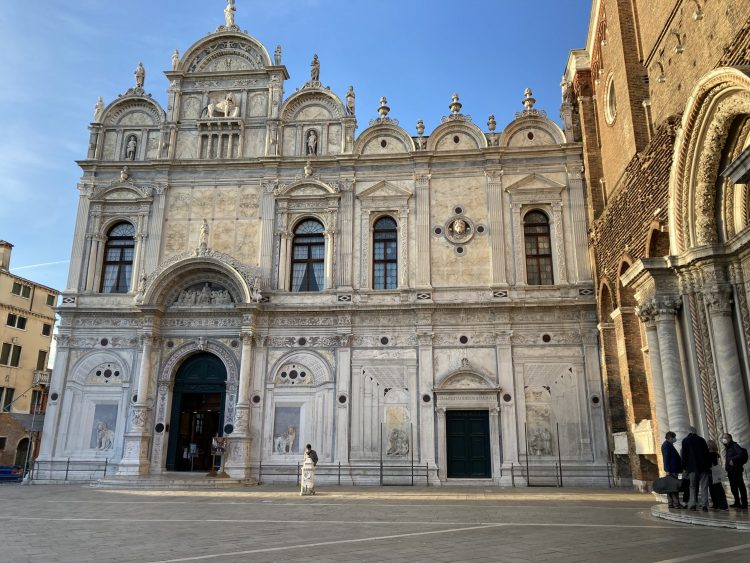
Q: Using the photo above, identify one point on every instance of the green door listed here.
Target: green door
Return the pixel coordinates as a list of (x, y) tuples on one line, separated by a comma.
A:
[(197, 412), (468, 442)]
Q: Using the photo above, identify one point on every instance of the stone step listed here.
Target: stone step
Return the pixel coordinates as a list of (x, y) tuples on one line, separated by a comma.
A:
[(159, 482)]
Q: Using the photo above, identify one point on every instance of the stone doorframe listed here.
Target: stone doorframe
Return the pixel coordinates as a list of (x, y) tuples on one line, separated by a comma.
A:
[(466, 389)]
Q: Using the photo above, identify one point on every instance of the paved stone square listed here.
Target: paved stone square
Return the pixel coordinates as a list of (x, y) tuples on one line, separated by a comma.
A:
[(81, 523)]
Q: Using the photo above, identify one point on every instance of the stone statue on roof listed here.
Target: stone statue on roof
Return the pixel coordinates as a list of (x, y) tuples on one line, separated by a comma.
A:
[(315, 69), (140, 76), (229, 13)]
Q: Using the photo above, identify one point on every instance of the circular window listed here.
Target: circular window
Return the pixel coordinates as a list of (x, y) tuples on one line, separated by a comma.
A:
[(610, 101), (256, 399), (54, 396), (107, 373), (456, 139), (342, 399), (507, 397), (463, 339), (117, 374), (234, 344), (459, 250), (426, 398), (228, 428), (135, 398), (530, 136), (170, 344), (438, 231), (458, 210), (302, 374), (283, 375), (293, 374), (546, 338), (302, 341), (99, 373), (159, 428), (104, 342), (383, 143), (480, 229), (595, 400), (384, 340)]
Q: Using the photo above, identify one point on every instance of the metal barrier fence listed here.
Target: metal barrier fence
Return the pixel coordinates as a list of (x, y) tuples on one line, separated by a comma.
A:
[(384, 474), (555, 474), (67, 470)]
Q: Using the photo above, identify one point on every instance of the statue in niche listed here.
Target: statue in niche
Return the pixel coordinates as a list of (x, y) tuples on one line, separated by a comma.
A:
[(99, 110), (284, 443), (315, 69), (142, 283), (229, 13), (398, 443), (175, 59), (140, 76), (350, 101), (255, 294), (277, 56), (312, 142), (104, 436), (124, 175), (130, 148), (203, 237)]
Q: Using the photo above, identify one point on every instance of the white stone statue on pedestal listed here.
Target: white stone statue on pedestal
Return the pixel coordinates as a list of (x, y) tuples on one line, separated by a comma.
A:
[(99, 110), (175, 59), (140, 76), (308, 471)]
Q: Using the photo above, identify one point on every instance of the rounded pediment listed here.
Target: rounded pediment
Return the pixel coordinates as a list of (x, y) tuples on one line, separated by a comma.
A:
[(531, 131), (313, 104), (384, 139), (306, 187), (465, 378), (130, 111), (225, 52), (456, 135), (300, 369)]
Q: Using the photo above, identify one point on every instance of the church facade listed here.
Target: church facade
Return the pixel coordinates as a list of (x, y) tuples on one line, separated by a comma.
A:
[(245, 264)]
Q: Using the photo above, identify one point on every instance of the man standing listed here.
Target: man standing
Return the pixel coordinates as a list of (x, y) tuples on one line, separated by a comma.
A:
[(736, 457), (696, 460), (672, 465)]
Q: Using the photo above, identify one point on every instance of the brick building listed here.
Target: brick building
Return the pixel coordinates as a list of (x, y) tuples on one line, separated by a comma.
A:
[(660, 97)]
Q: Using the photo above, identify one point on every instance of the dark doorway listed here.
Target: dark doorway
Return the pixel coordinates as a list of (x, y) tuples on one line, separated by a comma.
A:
[(468, 443), (197, 412)]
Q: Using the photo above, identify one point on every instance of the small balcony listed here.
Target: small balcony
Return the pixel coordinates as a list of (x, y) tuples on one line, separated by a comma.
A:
[(41, 378)]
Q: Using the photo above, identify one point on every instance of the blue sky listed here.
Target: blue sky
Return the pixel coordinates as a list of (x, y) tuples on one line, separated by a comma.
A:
[(62, 55)]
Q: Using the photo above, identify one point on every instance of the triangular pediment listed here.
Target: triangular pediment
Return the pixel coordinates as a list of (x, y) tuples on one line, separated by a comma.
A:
[(534, 182), (385, 190)]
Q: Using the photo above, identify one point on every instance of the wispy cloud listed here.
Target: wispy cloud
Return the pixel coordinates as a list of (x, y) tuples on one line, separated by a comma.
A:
[(42, 265)]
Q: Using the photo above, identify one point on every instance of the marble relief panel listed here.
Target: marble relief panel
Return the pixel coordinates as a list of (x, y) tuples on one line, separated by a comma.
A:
[(188, 144), (225, 202), (203, 204), (248, 233), (289, 141), (175, 237), (334, 139), (258, 105), (222, 236), (255, 142), (249, 200), (178, 203), (108, 150), (191, 107)]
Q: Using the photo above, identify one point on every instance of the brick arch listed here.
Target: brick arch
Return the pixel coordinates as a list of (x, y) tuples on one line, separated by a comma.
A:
[(625, 295), (656, 243), (607, 300)]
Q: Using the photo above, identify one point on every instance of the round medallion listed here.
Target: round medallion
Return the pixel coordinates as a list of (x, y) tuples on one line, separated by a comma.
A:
[(459, 229)]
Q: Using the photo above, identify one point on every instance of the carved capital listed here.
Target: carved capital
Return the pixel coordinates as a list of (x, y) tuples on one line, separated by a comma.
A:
[(646, 312), (422, 180), (718, 300), (666, 305), (503, 337), (424, 339)]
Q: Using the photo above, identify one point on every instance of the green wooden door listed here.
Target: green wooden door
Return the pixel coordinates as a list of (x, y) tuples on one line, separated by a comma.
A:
[(468, 443)]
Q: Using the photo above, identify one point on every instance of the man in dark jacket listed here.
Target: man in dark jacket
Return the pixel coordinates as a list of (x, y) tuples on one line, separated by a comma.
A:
[(672, 465), (735, 458), (696, 460)]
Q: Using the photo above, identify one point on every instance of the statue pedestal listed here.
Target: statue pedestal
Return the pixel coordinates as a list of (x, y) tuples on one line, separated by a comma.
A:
[(238, 458), (135, 454), (308, 478)]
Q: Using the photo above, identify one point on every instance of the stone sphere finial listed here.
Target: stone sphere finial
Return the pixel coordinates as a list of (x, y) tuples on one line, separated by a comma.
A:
[(455, 105), (491, 123), (420, 127), (383, 110), (528, 101)]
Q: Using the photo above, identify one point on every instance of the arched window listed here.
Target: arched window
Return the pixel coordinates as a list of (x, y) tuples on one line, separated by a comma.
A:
[(538, 249), (385, 254), (118, 259), (308, 257)]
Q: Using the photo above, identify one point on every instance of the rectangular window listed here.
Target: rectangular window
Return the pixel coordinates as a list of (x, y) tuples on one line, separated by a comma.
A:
[(51, 300), (7, 399), (10, 355), (16, 321), (11, 320), (16, 288), (2, 443), (41, 360), (21, 289), (37, 402), (46, 329)]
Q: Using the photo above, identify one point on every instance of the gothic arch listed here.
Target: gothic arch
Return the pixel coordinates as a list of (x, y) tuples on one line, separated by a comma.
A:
[(719, 98)]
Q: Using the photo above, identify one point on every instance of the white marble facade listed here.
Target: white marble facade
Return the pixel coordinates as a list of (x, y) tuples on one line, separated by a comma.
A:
[(462, 329)]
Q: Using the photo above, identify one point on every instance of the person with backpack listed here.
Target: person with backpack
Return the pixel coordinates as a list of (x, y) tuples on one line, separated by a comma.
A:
[(736, 458)]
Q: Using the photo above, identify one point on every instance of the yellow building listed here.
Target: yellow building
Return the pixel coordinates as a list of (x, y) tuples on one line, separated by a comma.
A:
[(27, 315)]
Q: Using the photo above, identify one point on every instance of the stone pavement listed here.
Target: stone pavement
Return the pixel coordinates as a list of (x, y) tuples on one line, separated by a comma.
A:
[(273, 523)]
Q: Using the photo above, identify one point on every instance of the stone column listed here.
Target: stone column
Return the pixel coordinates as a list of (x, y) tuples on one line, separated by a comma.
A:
[(80, 241), (56, 386), (497, 461), (727, 362), (559, 239), (518, 244), (646, 314), (496, 234), (152, 233), (267, 227), (665, 315), (423, 231), (343, 383), (136, 439), (508, 412), (426, 409), (403, 248), (330, 238), (238, 459), (442, 445), (345, 238), (599, 447), (578, 215)]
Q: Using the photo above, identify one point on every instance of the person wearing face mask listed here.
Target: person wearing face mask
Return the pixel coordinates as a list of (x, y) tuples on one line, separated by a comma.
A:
[(672, 465), (736, 458)]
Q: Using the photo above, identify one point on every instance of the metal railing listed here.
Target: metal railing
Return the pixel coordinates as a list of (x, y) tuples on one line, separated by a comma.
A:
[(374, 473), (68, 470)]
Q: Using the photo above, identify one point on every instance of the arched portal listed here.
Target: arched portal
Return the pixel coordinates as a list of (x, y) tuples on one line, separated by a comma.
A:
[(197, 412)]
